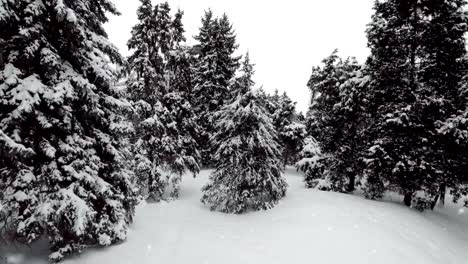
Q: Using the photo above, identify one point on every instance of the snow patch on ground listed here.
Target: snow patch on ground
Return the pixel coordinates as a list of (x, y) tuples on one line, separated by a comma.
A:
[(308, 226)]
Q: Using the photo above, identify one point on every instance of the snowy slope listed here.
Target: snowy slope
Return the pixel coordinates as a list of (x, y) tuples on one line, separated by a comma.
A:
[(306, 227)]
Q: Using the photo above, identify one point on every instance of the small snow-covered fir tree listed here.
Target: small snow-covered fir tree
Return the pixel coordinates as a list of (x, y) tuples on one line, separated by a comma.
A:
[(62, 171), (248, 174), (313, 165), (159, 84), (292, 136)]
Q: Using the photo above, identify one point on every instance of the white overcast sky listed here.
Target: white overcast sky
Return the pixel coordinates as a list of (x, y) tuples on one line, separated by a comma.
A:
[(284, 38)]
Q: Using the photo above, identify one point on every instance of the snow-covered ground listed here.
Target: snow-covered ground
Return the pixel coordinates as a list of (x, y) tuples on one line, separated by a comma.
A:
[(308, 226)]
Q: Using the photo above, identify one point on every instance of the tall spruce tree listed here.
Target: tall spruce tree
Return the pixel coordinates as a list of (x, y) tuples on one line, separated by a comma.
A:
[(159, 83), (248, 168), (335, 115), (61, 168), (416, 66), (215, 68)]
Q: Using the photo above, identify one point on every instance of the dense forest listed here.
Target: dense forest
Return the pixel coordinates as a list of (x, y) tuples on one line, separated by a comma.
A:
[(86, 134)]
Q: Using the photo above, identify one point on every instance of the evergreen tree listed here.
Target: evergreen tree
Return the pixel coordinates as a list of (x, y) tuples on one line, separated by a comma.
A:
[(291, 132), (144, 64), (62, 173), (313, 165), (335, 115), (292, 138), (214, 71), (301, 118), (273, 103), (284, 113), (454, 131), (245, 79), (263, 97), (248, 169), (159, 83), (417, 62)]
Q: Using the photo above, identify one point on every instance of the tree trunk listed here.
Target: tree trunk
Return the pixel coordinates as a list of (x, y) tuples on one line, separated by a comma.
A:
[(151, 190), (407, 198), (352, 179), (1, 56), (442, 194), (434, 202), (440, 197)]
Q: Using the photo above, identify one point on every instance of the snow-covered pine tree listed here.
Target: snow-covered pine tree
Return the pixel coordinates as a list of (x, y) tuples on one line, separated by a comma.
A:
[(143, 73), (248, 174), (284, 114), (335, 115), (61, 169), (214, 70), (159, 83), (263, 96), (292, 138), (273, 102), (313, 165), (291, 133), (142, 82), (417, 63), (179, 150), (455, 132), (240, 83)]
